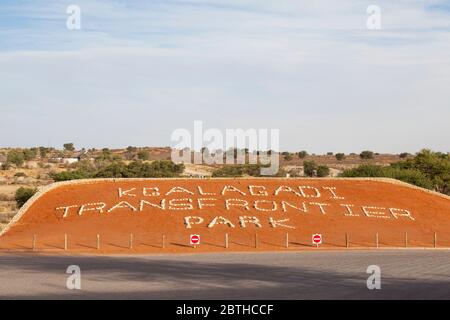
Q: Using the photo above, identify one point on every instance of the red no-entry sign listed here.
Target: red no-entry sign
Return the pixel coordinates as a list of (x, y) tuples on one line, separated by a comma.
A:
[(195, 239), (317, 238)]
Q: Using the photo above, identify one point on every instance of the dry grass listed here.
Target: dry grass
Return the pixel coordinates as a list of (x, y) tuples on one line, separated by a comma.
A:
[(6, 217)]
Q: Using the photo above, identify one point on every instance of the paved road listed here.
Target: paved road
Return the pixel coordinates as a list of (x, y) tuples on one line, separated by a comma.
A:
[(405, 274)]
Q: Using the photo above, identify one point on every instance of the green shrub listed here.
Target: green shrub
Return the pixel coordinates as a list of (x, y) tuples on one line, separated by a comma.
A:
[(23, 194), (107, 156), (364, 170), (408, 175), (309, 168), (69, 147), (403, 155), (253, 170), (411, 176), (323, 171), (436, 166), (143, 155), (43, 152), (340, 156), (136, 169), (114, 170), (229, 171), (69, 175), (366, 155), (302, 154), (15, 157), (29, 154)]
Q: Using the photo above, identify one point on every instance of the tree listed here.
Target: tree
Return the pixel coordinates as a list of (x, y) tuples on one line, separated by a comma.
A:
[(68, 147), (23, 195), (15, 157), (309, 168), (436, 166), (340, 156), (143, 155), (29, 154), (404, 155), (302, 154), (106, 156), (288, 157), (365, 155), (323, 171), (408, 175), (43, 152)]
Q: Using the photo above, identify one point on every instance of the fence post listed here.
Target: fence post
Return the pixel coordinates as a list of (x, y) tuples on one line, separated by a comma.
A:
[(406, 239), (347, 241), (163, 241), (435, 240), (226, 240), (131, 241), (98, 241), (34, 242), (256, 240), (287, 240), (376, 239), (65, 242)]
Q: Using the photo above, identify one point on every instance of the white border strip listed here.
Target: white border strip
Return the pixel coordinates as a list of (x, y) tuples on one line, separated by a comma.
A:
[(55, 185)]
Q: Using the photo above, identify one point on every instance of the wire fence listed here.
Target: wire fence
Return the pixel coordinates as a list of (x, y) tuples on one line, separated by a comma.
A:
[(247, 241)]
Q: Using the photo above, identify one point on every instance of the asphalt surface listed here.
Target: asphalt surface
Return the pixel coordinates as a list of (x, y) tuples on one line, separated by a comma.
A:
[(405, 274)]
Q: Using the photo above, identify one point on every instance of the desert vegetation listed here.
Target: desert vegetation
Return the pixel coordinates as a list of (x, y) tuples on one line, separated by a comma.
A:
[(23, 195), (427, 169), (119, 169), (252, 170), (366, 155)]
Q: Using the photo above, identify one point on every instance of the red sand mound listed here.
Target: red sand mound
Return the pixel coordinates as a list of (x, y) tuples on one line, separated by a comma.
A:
[(158, 215)]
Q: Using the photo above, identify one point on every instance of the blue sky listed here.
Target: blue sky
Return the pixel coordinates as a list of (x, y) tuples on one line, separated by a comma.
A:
[(137, 70)]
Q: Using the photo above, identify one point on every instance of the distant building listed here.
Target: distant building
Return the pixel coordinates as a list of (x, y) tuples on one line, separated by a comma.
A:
[(74, 158), (70, 160)]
